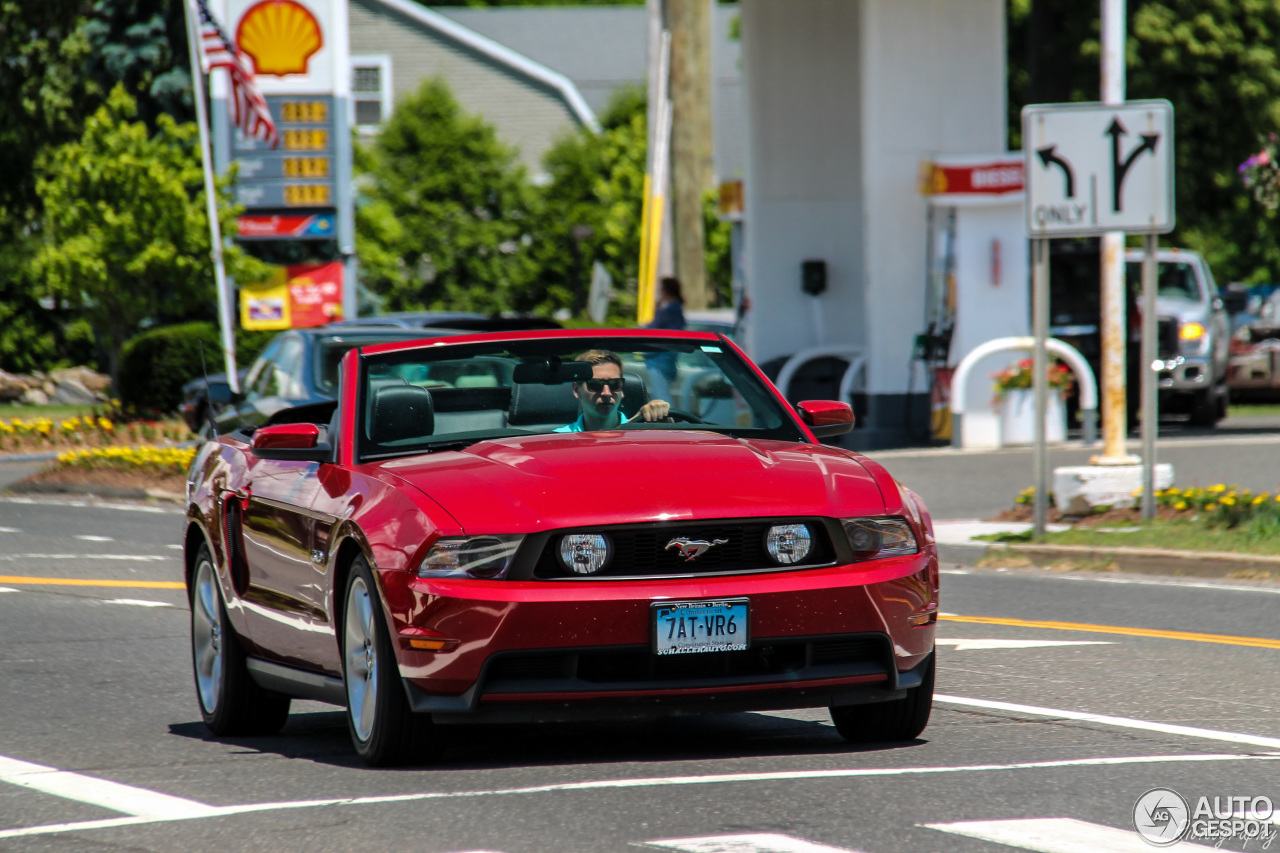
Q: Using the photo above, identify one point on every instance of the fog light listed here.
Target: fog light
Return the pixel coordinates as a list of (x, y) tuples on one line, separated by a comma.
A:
[(788, 544), (584, 553)]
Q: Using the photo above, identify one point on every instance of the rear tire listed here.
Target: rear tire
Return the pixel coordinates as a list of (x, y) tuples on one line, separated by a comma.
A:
[(231, 702), (898, 720), (384, 730)]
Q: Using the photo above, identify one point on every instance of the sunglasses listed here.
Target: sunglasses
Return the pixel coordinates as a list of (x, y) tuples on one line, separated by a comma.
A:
[(595, 386)]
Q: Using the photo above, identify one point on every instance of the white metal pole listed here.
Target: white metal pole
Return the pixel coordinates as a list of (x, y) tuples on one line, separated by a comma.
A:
[(226, 319), (1040, 376), (1150, 403)]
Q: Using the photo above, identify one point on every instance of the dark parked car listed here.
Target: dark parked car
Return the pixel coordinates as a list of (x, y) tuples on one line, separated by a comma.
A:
[(299, 366), (464, 320)]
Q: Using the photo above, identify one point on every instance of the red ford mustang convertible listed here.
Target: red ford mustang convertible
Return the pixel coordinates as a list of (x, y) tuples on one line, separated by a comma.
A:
[(555, 526)]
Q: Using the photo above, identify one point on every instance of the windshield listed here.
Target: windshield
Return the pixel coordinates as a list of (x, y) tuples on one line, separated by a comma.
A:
[(447, 397), (329, 353), (1174, 280)]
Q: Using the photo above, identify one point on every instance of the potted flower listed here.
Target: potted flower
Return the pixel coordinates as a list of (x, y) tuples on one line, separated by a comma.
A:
[(1015, 400)]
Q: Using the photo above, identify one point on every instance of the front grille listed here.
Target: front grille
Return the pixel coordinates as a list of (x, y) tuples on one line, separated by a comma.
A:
[(1167, 338), (638, 668), (641, 550)]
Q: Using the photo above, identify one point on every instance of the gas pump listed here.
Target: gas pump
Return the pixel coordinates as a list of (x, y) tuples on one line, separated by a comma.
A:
[(977, 286)]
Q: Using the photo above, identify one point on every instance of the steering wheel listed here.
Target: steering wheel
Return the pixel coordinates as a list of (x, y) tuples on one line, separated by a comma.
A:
[(675, 414)]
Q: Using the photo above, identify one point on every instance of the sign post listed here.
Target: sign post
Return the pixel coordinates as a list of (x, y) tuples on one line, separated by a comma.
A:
[(297, 197), (1093, 169)]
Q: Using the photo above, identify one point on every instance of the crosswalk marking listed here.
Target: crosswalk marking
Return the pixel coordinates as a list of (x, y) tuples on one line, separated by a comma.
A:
[(143, 806), (751, 843), (1057, 835), (138, 802), (139, 602)]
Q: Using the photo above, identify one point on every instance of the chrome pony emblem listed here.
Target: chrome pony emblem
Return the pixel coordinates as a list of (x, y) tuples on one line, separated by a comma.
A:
[(691, 549)]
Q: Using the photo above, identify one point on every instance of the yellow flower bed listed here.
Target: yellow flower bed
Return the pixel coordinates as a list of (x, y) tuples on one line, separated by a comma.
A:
[(32, 434), (160, 460)]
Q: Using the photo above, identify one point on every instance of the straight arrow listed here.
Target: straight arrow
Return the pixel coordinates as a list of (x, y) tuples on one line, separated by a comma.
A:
[(1120, 167)]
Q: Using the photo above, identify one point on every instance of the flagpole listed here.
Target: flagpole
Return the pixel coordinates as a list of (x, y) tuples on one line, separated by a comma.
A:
[(226, 320)]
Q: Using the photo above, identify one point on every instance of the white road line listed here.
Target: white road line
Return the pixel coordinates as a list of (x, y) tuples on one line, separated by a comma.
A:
[(175, 547), (953, 571), (143, 558), (1185, 584), (138, 602), (138, 802), (86, 537), (979, 645), (155, 510), (759, 843), (9, 530), (1057, 835), (1105, 720), (614, 784), (7, 589)]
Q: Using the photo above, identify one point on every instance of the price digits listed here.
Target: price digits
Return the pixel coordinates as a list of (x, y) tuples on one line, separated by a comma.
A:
[(304, 112), (307, 194), (306, 167), (306, 140)]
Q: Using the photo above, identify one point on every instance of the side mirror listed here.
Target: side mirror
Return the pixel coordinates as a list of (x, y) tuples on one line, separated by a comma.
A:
[(291, 442), (826, 418)]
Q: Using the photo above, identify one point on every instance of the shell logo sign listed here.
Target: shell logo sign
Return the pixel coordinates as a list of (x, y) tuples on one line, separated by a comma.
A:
[(280, 35)]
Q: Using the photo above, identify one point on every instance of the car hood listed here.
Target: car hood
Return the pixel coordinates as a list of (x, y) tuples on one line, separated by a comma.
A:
[(524, 484)]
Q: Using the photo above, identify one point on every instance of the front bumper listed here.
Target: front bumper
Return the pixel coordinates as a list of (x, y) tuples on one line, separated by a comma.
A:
[(570, 650), (1186, 373)]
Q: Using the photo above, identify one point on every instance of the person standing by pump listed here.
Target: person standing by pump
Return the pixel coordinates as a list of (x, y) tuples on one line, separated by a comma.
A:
[(669, 315)]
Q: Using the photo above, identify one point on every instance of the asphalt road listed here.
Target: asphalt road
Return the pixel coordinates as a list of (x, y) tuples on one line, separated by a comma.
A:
[(102, 748), (979, 484)]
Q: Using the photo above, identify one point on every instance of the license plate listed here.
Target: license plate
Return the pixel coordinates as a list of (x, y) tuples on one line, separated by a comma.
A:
[(689, 627)]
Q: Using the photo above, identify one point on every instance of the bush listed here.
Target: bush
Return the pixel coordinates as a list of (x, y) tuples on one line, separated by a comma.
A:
[(157, 363)]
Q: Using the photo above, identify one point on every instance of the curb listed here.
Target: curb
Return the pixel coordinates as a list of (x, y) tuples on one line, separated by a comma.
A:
[(115, 492), (1150, 561)]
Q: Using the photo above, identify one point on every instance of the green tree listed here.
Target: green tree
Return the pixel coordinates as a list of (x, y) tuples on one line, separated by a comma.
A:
[(1217, 61), (124, 232), (596, 189), (142, 44), (444, 209)]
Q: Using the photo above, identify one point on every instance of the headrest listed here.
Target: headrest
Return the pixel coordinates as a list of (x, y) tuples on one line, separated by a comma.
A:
[(634, 394), (542, 404), (401, 411)]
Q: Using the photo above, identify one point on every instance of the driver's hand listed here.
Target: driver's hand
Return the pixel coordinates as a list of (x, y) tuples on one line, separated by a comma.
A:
[(654, 410)]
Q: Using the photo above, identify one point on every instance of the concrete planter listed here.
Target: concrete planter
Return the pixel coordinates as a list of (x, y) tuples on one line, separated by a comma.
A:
[(1018, 418)]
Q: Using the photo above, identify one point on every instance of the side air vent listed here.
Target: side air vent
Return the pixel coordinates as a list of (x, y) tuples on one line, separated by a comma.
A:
[(233, 529)]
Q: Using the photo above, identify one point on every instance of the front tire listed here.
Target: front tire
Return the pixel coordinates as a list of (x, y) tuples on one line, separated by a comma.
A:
[(231, 702), (1206, 409), (898, 720), (384, 730)]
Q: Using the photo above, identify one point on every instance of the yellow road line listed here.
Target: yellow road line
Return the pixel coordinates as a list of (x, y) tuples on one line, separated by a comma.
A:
[(23, 581), (1223, 639)]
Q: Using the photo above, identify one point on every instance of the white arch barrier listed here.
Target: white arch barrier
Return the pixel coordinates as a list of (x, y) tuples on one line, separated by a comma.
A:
[(857, 363), (1069, 354)]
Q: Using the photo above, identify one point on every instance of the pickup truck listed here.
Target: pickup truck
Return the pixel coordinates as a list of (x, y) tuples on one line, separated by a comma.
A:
[(1193, 343)]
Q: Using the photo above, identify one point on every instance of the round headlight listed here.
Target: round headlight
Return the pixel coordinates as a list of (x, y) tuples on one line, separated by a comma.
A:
[(788, 544), (584, 553)]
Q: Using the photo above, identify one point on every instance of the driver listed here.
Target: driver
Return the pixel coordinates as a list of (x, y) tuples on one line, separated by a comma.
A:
[(601, 395)]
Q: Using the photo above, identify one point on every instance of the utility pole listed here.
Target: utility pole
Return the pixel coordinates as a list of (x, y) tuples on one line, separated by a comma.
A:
[(1114, 308), (692, 170)]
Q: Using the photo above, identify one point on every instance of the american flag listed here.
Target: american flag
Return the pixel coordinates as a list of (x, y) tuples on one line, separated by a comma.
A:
[(249, 110)]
